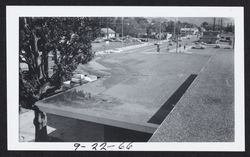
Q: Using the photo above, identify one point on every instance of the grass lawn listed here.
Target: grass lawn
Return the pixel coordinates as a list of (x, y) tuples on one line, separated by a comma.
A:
[(112, 45)]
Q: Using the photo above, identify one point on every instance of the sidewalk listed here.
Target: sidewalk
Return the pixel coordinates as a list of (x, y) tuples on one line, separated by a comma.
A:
[(119, 50)]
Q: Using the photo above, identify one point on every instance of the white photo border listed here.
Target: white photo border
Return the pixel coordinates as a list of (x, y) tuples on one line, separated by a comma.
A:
[(12, 36)]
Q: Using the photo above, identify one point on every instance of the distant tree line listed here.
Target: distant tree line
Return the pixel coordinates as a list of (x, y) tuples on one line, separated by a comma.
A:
[(135, 26), (229, 27)]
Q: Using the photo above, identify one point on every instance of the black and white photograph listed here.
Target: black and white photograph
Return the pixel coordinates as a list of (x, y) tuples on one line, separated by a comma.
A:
[(131, 76)]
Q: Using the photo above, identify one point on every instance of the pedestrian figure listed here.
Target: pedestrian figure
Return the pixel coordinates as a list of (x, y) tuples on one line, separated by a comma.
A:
[(180, 47), (158, 48), (167, 48)]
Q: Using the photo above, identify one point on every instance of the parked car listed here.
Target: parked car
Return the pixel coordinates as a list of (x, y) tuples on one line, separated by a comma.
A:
[(222, 39), (135, 40), (117, 40), (98, 40), (217, 46), (127, 40), (117, 50), (111, 40), (228, 39), (158, 43), (144, 39), (170, 43), (202, 43), (198, 46)]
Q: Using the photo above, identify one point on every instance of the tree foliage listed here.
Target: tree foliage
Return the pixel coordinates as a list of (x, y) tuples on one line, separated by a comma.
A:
[(127, 25), (67, 39), (136, 26), (207, 26), (229, 28)]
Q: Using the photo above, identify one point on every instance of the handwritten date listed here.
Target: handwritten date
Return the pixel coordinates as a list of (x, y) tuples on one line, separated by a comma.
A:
[(104, 146)]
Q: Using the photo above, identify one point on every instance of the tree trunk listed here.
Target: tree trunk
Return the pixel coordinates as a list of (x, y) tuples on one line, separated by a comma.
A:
[(40, 122), (55, 56), (46, 64)]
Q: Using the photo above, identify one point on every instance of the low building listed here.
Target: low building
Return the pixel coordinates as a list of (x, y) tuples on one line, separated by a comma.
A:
[(107, 33), (163, 36), (142, 35), (210, 37), (188, 31), (227, 36)]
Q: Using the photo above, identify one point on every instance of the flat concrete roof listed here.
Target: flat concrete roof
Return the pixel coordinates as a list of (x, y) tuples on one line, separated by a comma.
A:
[(133, 88), (205, 113)]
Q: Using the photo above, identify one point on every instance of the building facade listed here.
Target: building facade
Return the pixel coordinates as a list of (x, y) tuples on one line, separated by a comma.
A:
[(188, 31), (107, 33), (210, 37)]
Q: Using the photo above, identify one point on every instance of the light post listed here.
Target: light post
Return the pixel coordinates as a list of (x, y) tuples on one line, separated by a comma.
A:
[(176, 36), (177, 44), (153, 30), (122, 31), (160, 31), (233, 31), (107, 31), (126, 23)]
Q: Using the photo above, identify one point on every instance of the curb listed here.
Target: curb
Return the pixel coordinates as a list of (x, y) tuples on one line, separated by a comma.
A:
[(118, 50)]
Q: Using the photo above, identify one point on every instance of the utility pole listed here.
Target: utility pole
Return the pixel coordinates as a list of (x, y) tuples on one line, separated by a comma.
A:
[(122, 31), (115, 21), (220, 26), (147, 29), (160, 31), (214, 24), (176, 36), (189, 33), (107, 31), (233, 34), (174, 29)]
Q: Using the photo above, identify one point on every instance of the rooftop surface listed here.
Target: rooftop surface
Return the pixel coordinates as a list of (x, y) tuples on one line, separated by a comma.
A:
[(107, 30), (205, 113)]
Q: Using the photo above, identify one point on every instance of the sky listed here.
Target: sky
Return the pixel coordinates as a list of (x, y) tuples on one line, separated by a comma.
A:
[(198, 20)]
